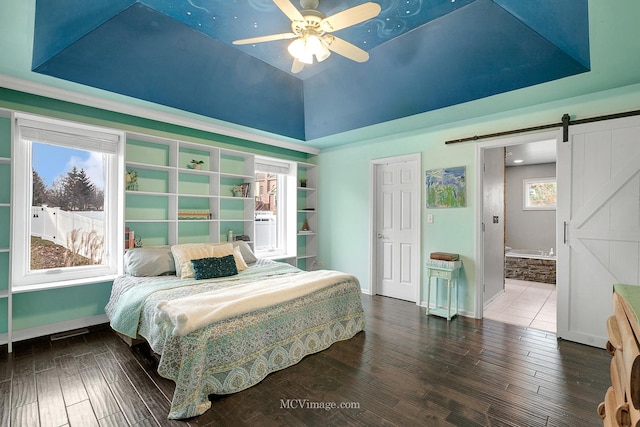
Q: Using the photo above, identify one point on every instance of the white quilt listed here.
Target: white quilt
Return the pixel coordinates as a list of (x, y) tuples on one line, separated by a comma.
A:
[(193, 312)]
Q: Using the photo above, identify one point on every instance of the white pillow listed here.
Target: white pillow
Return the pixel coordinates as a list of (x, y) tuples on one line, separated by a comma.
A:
[(149, 261), (240, 262), (246, 251), (184, 253)]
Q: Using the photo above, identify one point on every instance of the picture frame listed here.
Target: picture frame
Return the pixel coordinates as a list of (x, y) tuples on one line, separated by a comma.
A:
[(446, 187)]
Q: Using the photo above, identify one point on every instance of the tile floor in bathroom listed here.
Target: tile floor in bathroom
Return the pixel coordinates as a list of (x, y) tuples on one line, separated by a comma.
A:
[(525, 303)]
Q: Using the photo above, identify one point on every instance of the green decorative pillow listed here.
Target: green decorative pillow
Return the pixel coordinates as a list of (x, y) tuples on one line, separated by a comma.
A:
[(208, 268)]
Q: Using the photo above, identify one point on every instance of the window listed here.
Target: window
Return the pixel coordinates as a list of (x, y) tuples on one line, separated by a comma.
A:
[(274, 209), (539, 193), (67, 203)]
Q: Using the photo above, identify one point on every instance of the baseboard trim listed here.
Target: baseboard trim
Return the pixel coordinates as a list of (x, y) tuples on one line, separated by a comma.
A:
[(55, 328)]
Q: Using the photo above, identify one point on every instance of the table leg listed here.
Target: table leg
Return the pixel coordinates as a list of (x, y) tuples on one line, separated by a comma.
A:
[(428, 293), (448, 299)]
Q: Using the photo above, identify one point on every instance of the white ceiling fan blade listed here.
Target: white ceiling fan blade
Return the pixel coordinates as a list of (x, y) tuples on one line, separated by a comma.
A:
[(282, 36), (346, 49), (297, 66), (349, 17), (289, 9)]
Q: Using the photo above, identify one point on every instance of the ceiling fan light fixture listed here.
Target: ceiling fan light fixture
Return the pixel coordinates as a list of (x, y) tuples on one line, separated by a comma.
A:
[(323, 54), (313, 44), (300, 49), (296, 48), (309, 28)]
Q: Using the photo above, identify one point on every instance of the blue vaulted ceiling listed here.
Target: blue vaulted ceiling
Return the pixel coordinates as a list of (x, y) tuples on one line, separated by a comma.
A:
[(424, 55)]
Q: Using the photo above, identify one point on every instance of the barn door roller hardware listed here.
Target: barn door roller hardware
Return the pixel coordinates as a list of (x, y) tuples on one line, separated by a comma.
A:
[(564, 124)]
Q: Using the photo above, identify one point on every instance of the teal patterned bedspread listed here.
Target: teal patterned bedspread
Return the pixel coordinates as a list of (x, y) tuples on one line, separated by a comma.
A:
[(238, 352)]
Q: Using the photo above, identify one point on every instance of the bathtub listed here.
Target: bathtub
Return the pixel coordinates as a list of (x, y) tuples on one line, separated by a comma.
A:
[(530, 264), (530, 253)]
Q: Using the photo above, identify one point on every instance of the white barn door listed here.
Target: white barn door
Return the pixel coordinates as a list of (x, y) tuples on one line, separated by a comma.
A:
[(598, 224)]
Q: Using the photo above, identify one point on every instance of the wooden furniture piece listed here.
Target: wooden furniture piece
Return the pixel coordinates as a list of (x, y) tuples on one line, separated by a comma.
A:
[(621, 406), (447, 271)]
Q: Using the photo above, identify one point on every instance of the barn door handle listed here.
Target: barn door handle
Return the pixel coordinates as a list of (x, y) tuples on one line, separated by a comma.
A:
[(564, 234)]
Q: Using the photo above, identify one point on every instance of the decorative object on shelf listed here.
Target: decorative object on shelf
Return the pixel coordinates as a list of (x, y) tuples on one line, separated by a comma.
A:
[(305, 226), (242, 190), (131, 179), (243, 237), (138, 241), (303, 182), (446, 187), (196, 164), (230, 235)]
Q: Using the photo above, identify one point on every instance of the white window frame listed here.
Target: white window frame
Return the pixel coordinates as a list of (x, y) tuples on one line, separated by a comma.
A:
[(22, 277), (526, 183), (286, 202)]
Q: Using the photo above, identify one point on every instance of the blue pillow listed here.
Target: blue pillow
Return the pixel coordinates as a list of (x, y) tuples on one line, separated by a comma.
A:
[(207, 268)]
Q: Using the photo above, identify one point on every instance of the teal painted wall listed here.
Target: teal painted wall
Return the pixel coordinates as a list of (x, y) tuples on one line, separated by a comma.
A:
[(344, 184), (33, 309)]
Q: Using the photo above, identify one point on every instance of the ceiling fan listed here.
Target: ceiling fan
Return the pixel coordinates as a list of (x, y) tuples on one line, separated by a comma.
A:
[(310, 29)]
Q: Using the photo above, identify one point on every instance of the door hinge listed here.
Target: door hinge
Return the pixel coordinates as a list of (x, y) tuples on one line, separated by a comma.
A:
[(483, 227)]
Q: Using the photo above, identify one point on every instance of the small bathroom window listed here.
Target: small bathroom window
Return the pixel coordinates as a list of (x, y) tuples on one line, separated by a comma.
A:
[(539, 193)]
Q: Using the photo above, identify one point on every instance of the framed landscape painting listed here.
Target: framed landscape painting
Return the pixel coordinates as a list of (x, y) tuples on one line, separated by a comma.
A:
[(446, 187)]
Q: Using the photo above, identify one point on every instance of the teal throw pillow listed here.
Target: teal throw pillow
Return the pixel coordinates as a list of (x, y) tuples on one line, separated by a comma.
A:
[(208, 268)]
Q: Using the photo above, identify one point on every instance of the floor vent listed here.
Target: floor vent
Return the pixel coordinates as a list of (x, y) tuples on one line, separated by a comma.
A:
[(69, 334)]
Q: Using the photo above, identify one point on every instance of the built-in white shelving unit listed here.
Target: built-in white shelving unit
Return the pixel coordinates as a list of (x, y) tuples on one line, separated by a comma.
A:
[(184, 192), (5, 229), (307, 239)]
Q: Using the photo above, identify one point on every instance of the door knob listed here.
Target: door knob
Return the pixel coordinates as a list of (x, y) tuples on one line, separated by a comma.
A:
[(380, 236)]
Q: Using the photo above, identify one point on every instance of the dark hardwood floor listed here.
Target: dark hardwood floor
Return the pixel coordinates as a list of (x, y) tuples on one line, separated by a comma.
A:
[(404, 369)]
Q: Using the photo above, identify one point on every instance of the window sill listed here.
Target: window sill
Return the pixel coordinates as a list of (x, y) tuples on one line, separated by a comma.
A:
[(274, 255), (62, 284)]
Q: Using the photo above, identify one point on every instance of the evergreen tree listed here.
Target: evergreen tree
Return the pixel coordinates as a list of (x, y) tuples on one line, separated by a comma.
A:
[(85, 192), (39, 191), (75, 192), (79, 190)]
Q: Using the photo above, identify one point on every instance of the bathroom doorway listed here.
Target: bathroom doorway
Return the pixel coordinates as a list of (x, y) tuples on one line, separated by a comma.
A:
[(518, 286)]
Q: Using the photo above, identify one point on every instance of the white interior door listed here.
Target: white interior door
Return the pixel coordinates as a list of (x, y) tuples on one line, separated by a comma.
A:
[(397, 228), (598, 224), (493, 224)]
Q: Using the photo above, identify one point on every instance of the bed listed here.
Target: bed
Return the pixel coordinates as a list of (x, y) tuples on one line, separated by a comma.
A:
[(221, 335)]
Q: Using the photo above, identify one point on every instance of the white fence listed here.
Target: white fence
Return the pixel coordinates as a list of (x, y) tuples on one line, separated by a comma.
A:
[(57, 226)]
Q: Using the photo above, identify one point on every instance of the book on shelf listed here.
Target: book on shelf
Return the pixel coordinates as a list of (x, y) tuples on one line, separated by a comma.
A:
[(194, 214), (246, 189)]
